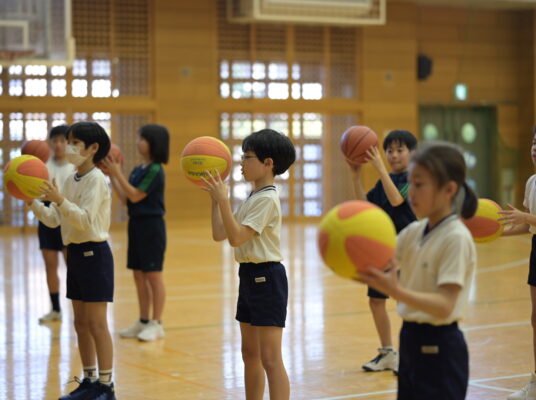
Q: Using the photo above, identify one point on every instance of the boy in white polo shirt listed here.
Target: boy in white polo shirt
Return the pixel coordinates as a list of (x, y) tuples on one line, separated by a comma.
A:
[(254, 232), (525, 222), (83, 211)]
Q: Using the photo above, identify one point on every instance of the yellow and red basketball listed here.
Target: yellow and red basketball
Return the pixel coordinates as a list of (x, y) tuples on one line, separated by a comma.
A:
[(206, 153), (354, 235), (23, 177), (484, 225), (37, 148)]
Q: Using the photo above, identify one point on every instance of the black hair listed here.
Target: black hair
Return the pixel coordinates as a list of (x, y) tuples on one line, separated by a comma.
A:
[(401, 137), (446, 163), (158, 138), (89, 133), (60, 130), (268, 143)]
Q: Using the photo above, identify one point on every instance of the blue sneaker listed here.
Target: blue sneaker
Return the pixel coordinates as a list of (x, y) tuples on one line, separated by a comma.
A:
[(104, 392), (85, 391)]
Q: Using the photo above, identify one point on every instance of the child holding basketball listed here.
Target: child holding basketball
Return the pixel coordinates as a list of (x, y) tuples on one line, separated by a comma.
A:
[(390, 194), (254, 231), (83, 211), (525, 222), (437, 259), (143, 193), (50, 241)]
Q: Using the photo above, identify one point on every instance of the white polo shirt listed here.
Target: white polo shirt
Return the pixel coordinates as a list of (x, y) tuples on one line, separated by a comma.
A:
[(84, 215), (59, 171), (530, 199), (261, 211), (446, 255)]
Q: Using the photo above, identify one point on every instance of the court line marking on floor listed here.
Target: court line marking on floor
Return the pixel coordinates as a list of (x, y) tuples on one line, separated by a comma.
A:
[(491, 326), (473, 382), (513, 264)]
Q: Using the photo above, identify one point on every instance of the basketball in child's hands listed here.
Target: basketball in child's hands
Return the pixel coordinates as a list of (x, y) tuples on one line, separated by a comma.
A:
[(36, 148), (354, 235), (115, 153), (355, 142), (24, 176), (205, 153), (484, 225)]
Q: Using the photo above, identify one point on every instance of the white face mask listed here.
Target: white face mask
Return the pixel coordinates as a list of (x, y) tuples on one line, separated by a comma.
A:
[(72, 153)]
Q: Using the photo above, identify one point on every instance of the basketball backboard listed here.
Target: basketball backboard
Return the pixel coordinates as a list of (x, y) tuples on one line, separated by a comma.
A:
[(36, 32)]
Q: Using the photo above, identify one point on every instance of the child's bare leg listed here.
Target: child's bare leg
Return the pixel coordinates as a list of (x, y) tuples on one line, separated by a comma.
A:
[(86, 345), (272, 361), (98, 326), (381, 320), (158, 291), (253, 369)]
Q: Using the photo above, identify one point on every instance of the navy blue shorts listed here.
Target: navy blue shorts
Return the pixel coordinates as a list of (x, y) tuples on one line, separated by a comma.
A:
[(371, 292), (90, 272), (532, 266), (49, 238), (262, 294), (434, 362), (146, 243)]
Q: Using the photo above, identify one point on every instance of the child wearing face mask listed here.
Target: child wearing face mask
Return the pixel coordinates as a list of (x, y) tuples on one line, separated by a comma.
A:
[(83, 211)]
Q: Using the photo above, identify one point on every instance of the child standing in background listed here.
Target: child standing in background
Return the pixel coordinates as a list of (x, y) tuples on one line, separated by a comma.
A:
[(521, 223), (50, 241), (143, 193), (437, 259), (390, 193)]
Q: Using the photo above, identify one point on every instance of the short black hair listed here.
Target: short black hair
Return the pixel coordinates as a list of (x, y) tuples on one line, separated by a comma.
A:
[(60, 130), (268, 143), (89, 133), (158, 138), (400, 136)]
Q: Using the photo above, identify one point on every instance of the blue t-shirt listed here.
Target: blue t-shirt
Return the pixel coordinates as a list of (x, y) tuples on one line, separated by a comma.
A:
[(149, 179), (401, 215)]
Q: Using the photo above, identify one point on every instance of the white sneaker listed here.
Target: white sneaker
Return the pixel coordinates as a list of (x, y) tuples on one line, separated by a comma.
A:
[(527, 393), (50, 317), (386, 359), (153, 330), (134, 330)]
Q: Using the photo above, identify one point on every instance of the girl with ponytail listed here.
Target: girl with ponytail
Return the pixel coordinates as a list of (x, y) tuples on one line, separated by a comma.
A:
[(431, 277)]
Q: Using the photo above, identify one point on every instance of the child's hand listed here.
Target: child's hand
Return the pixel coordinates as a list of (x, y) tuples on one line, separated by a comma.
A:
[(216, 187), (385, 281), (51, 192), (375, 158), (512, 216), (110, 167)]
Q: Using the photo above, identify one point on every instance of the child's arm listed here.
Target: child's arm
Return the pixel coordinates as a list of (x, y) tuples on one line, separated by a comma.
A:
[(118, 190), (80, 216), (440, 304), (47, 215), (391, 191), (123, 188), (356, 180), (236, 233), (218, 230), (520, 221)]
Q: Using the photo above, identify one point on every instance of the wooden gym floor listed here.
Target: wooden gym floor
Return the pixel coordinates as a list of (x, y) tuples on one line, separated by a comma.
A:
[(329, 335)]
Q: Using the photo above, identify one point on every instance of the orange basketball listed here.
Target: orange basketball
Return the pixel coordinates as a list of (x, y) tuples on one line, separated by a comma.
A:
[(203, 154), (116, 154), (23, 177), (36, 148), (356, 141)]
